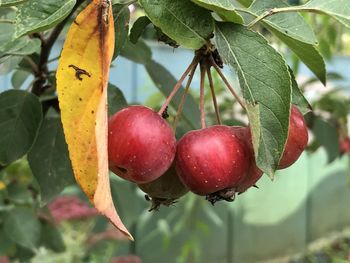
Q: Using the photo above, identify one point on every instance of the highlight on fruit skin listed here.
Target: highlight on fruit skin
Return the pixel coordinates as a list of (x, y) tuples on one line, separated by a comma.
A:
[(297, 139), (165, 190), (212, 161), (141, 144)]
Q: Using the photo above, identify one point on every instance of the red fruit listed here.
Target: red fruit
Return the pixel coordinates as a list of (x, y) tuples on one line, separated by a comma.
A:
[(212, 161), (297, 139), (141, 144), (165, 190), (254, 173), (344, 145)]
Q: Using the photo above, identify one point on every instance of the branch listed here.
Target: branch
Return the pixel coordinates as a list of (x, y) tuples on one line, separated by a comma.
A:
[(201, 95), (226, 82), (274, 11), (47, 44)]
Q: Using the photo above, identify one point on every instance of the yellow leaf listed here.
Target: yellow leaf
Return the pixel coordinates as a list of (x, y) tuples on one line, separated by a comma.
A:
[(82, 78)]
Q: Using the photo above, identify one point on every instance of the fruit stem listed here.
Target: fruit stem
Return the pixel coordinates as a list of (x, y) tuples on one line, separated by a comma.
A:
[(201, 95), (226, 82), (178, 85), (211, 84), (183, 97)]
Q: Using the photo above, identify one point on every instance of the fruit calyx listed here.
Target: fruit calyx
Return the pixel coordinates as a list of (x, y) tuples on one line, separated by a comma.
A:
[(157, 202), (227, 194)]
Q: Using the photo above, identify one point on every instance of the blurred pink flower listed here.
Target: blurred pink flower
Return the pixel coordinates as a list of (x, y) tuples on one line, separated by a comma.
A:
[(4, 260), (70, 208), (126, 259)]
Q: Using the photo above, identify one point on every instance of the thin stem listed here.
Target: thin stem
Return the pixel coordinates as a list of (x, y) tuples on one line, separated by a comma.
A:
[(32, 64), (218, 70), (53, 59), (211, 85), (201, 96), (178, 85), (7, 21), (183, 97), (274, 11)]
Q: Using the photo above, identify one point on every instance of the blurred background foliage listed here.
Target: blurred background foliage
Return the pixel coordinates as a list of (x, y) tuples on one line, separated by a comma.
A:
[(37, 226)]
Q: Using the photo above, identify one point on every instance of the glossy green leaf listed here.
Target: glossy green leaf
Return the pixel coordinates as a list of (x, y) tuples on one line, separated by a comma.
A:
[(7, 29), (35, 15), (289, 24), (224, 8), (298, 98), (307, 53), (183, 21), (116, 99), (338, 9), (18, 78), (245, 3), (9, 63), (20, 47), (121, 16), (49, 160), (138, 27), (139, 52), (4, 3), (165, 82), (20, 119), (22, 226), (266, 88)]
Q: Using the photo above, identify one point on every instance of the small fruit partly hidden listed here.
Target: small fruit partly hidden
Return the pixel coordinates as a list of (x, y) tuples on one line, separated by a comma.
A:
[(297, 139), (344, 145), (212, 161), (165, 190), (141, 144)]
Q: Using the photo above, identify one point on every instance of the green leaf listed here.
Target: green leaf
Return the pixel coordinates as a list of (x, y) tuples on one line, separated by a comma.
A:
[(116, 99), (20, 119), (139, 52), (6, 244), (327, 136), (266, 87), (165, 82), (9, 63), (121, 15), (23, 227), (338, 9), (298, 98), (21, 47), (290, 24), (19, 194), (49, 160), (138, 27), (4, 3), (245, 3), (18, 78), (36, 15), (307, 53), (182, 20), (52, 238), (7, 29), (224, 8)]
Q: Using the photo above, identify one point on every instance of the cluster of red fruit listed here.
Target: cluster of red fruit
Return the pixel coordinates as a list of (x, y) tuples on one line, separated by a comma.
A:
[(215, 162)]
